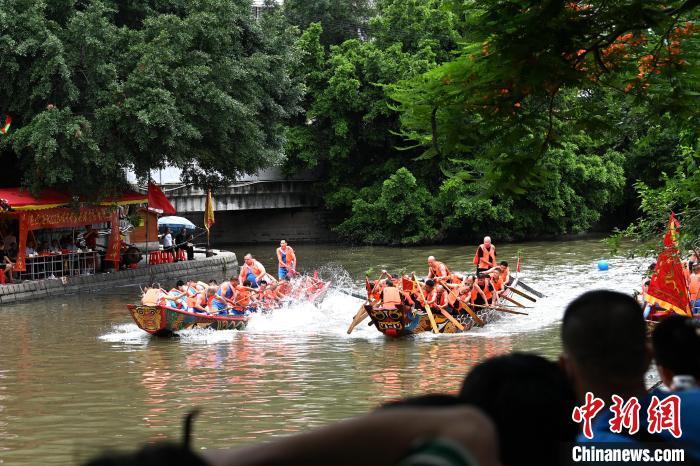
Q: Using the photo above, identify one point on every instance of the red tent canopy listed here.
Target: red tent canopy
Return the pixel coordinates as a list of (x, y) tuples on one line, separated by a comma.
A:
[(21, 199), (157, 200)]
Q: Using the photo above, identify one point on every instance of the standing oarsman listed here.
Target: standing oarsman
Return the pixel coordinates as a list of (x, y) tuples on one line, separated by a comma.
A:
[(286, 260), (437, 270), (485, 256)]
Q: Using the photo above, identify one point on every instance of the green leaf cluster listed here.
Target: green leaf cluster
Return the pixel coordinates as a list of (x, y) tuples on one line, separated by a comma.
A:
[(98, 87)]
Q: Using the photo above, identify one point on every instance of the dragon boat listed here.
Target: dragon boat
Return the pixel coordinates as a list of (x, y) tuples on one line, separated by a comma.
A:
[(405, 320), (164, 320)]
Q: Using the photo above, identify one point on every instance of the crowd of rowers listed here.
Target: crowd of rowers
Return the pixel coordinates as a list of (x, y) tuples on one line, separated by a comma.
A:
[(253, 289), (443, 289)]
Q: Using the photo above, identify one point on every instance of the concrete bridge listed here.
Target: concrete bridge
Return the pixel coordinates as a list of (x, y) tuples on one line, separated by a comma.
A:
[(263, 207)]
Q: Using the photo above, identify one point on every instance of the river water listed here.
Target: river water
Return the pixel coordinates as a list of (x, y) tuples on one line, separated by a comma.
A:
[(76, 376)]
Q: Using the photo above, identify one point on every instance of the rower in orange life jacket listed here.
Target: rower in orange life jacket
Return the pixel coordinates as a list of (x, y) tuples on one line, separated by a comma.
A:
[(391, 297), (437, 270), (694, 288), (286, 260), (485, 256), (252, 270)]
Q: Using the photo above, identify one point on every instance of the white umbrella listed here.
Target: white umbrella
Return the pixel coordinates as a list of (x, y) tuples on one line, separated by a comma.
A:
[(176, 223)]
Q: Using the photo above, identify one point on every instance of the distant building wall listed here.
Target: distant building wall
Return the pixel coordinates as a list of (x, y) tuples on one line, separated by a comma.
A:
[(263, 226)]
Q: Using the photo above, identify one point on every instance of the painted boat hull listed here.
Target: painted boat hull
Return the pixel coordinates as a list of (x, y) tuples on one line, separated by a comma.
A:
[(165, 321), (404, 321)]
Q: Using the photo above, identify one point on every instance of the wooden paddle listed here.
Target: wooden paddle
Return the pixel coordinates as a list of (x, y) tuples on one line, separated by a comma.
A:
[(524, 295), (501, 309), (427, 307), (472, 314), (508, 298), (444, 312), (360, 316)]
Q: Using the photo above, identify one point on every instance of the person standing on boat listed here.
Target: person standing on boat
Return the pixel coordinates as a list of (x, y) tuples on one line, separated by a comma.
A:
[(286, 260), (485, 257), (252, 270), (437, 269)]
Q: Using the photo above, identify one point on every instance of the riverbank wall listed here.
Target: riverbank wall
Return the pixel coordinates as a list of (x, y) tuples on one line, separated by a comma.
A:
[(221, 264)]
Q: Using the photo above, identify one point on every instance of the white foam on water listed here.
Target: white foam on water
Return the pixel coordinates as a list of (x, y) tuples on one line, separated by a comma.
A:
[(207, 336), (125, 333)]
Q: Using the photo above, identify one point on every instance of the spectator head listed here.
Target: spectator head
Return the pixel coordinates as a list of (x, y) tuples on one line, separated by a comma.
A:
[(514, 390), (676, 342), (604, 344)]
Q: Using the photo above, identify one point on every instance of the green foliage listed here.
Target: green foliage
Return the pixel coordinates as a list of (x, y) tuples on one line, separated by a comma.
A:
[(349, 126), (400, 214), (97, 87), (340, 19), (518, 57)]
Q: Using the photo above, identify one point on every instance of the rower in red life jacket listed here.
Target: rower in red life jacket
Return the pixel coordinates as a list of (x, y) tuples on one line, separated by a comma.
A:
[(252, 270), (485, 257), (437, 269)]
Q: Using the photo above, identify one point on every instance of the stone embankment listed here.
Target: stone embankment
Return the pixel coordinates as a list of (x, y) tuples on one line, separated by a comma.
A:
[(224, 263)]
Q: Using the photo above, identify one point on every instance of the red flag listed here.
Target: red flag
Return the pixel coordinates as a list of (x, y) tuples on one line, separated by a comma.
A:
[(517, 266), (157, 200), (668, 288), (407, 284)]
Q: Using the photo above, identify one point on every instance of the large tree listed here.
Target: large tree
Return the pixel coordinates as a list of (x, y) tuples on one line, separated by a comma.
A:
[(95, 88)]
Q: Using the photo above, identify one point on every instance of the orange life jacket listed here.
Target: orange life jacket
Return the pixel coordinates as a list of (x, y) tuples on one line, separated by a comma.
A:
[(487, 259), (435, 268), (289, 256), (242, 296), (504, 274), (694, 286), (391, 297), (255, 269), (498, 284)]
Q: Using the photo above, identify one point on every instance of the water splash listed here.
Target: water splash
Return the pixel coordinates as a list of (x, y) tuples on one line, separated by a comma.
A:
[(562, 283)]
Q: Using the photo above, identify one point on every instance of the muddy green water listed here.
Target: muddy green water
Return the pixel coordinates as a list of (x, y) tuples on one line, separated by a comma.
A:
[(76, 376)]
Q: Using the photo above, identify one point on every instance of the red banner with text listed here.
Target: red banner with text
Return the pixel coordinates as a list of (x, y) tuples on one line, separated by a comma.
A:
[(62, 217)]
